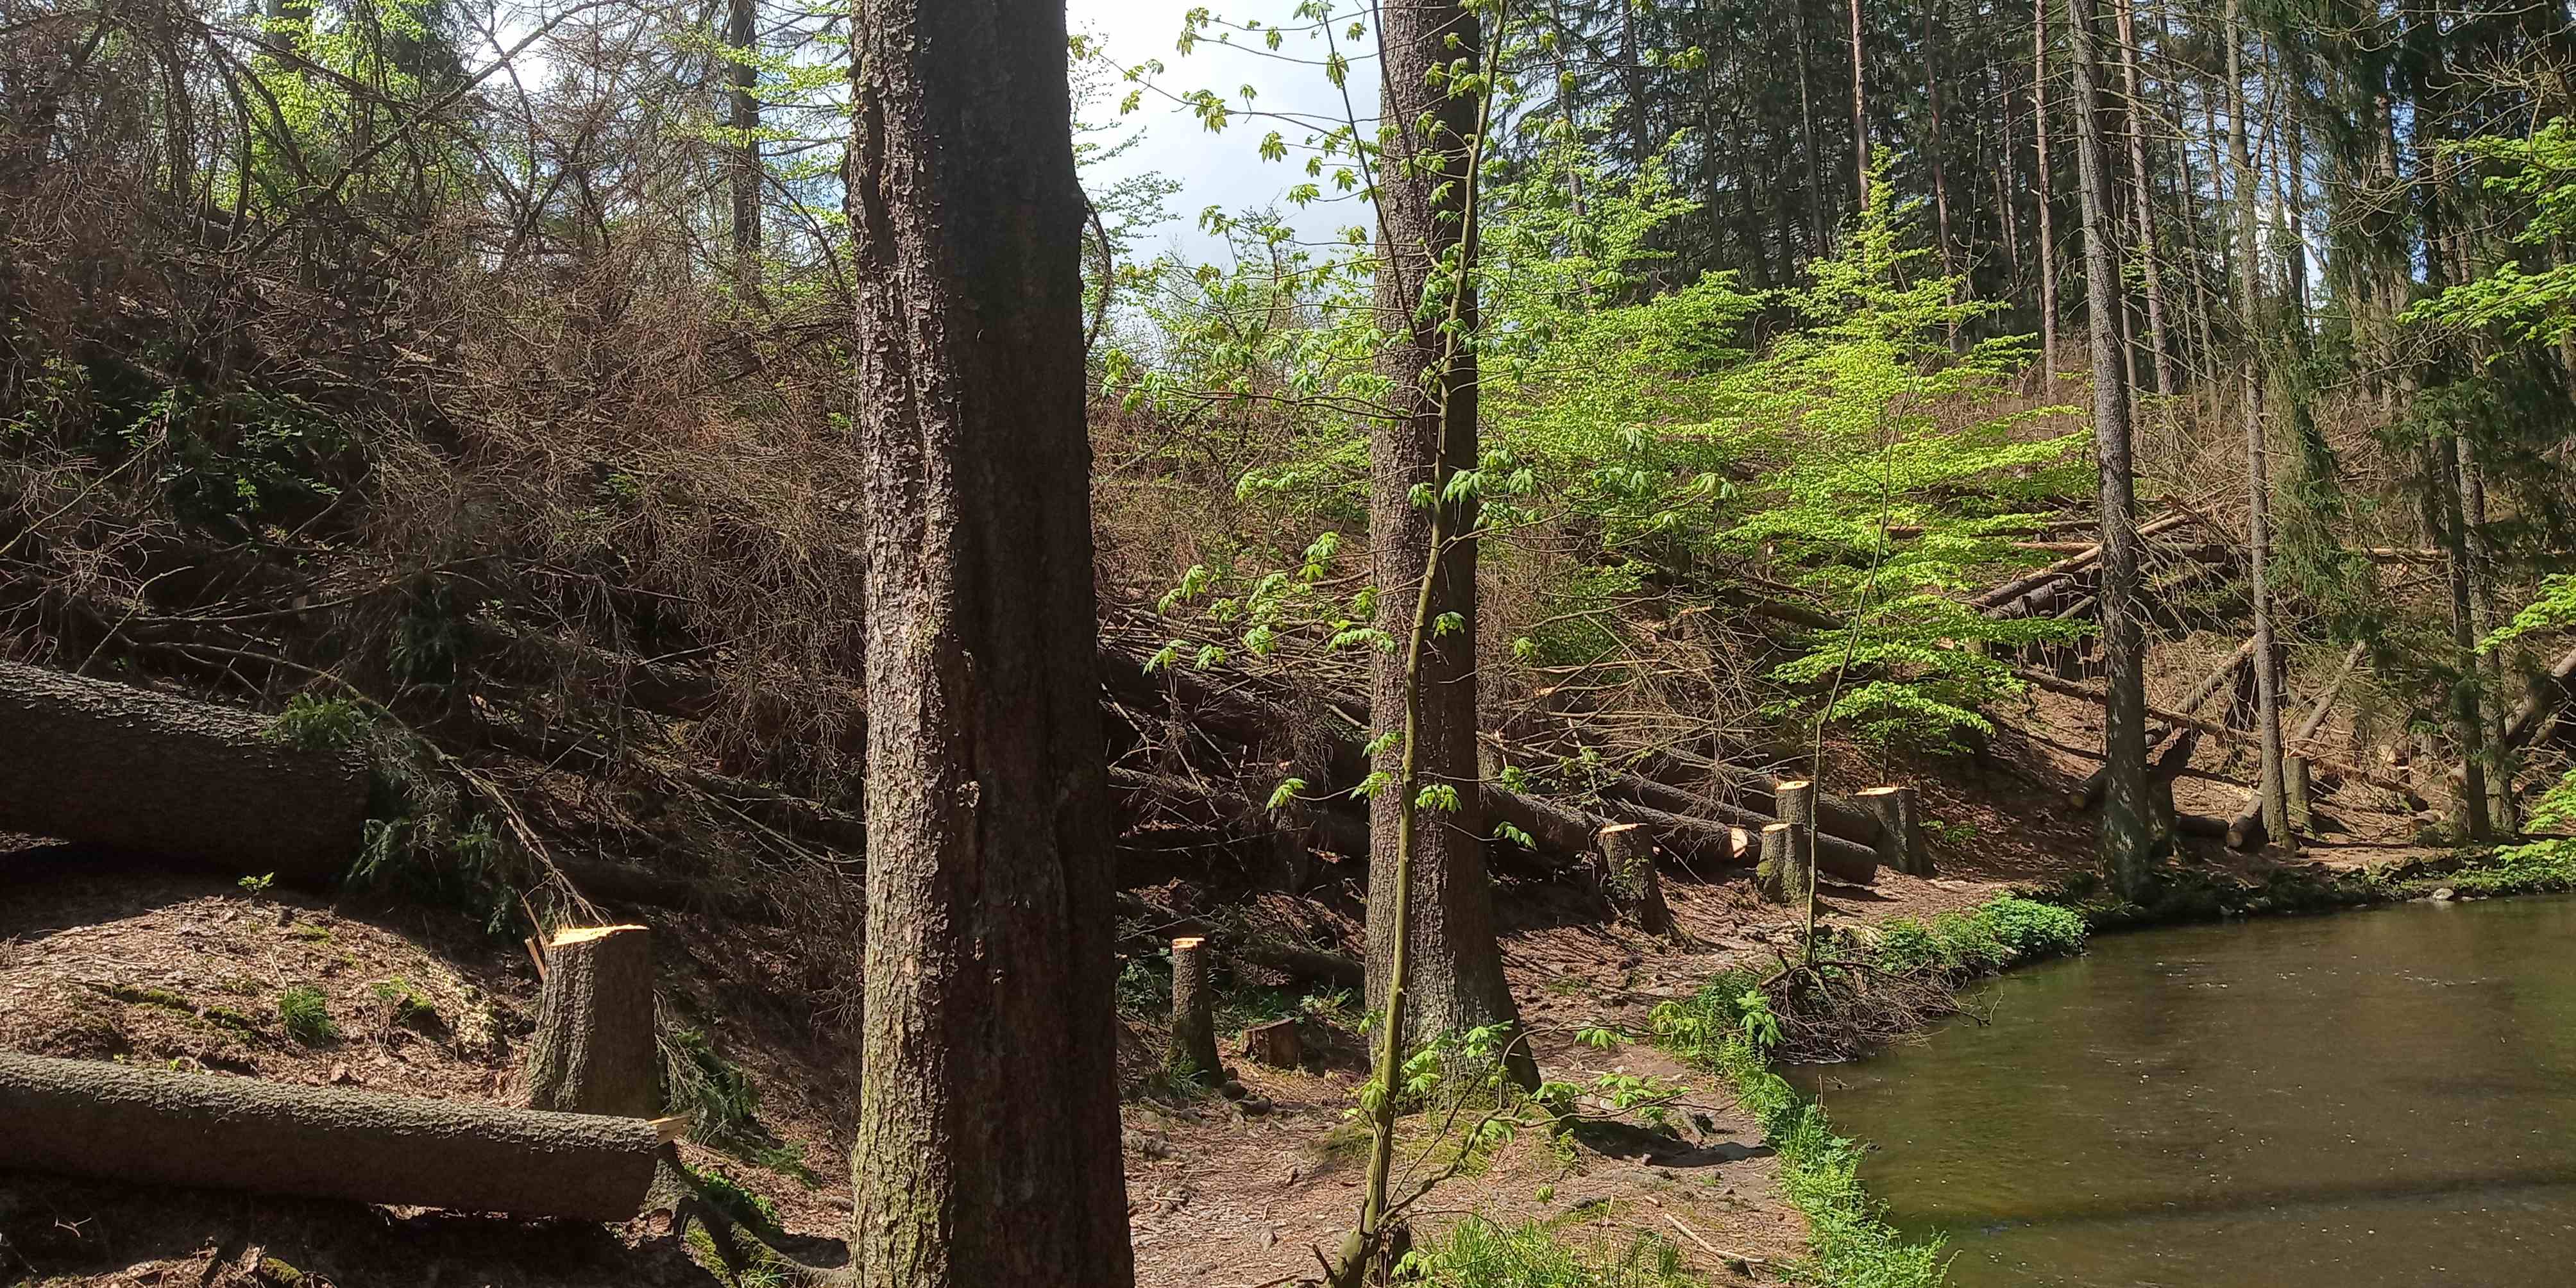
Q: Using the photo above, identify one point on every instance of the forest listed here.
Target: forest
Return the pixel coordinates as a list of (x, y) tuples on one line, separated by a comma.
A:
[(646, 643)]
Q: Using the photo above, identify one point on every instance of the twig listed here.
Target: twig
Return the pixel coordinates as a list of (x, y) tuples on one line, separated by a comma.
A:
[(1712, 1248)]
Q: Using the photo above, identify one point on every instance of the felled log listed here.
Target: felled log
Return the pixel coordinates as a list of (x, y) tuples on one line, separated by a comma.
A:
[(594, 1050), (2547, 693), (1627, 878), (2341, 769), (2073, 563), (1191, 1052), (127, 768), (1302, 963), (1713, 830), (153, 1126), (1758, 791), (2088, 793)]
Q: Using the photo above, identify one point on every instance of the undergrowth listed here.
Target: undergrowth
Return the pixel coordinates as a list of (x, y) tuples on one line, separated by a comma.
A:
[(307, 1015), (1476, 1253)]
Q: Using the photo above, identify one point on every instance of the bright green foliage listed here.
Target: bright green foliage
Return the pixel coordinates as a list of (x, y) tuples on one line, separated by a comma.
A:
[(307, 1015), (2003, 930), (1478, 1254), (2540, 170), (1877, 426), (315, 724), (2554, 609)]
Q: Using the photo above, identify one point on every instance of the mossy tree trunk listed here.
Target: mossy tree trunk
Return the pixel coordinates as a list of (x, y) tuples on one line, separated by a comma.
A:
[(988, 1141)]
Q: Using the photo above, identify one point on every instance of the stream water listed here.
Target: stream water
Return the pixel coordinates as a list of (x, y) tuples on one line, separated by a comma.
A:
[(2361, 1100)]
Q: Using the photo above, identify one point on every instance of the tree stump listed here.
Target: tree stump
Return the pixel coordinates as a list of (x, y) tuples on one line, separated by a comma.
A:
[(1192, 1053), (1627, 878), (1275, 1044), (1780, 877), (594, 1049), (1900, 837)]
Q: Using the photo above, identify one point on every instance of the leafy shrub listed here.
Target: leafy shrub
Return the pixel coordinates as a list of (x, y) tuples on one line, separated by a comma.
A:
[(1476, 1253), (319, 724), (2031, 929), (307, 1014)]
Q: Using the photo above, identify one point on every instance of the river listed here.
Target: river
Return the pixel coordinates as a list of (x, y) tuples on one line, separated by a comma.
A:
[(2360, 1100)]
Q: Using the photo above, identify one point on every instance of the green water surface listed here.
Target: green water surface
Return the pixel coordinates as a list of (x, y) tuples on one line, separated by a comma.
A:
[(2349, 1101)]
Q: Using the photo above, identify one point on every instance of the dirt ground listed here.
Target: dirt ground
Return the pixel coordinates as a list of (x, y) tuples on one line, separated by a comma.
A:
[(108, 960)]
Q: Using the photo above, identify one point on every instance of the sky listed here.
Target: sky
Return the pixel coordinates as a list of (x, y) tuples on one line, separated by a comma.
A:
[(1223, 169)]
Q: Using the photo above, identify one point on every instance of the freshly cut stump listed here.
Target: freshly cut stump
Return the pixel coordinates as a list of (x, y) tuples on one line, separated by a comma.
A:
[(1628, 879), (1781, 877), (594, 1050), (1900, 836), (88, 1118), (131, 769), (1193, 1049)]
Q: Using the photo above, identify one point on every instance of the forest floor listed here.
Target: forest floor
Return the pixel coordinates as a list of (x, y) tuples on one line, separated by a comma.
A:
[(106, 960)]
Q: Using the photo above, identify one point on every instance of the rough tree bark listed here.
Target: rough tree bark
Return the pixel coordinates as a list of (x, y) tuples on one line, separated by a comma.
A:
[(1900, 841), (1192, 1051), (2273, 785), (989, 960), (2128, 844), (2475, 543), (1456, 967), (2443, 516), (113, 765), (89, 1118), (594, 1051)]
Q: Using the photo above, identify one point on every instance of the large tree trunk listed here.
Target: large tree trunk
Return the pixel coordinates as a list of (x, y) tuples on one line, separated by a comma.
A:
[(2273, 786), (113, 765), (87, 1118), (594, 1049), (2128, 845), (989, 960), (1455, 967)]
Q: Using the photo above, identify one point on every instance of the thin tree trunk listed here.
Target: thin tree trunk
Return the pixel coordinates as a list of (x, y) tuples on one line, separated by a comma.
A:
[(2159, 349), (2047, 181), (2128, 848), (1933, 20), (2445, 516), (1860, 111), (1456, 976), (2482, 604), (742, 36), (989, 960), (1807, 124), (2273, 785)]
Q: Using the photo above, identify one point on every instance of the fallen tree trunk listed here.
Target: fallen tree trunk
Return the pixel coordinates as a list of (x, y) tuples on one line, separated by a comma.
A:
[(1670, 811), (1302, 963), (2548, 691), (1759, 792), (2341, 769), (2088, 793), (2074, 563), (89, 1118), (128, 768)]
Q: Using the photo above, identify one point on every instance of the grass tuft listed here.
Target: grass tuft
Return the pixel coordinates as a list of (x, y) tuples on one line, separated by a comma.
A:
[(1476, 1253), (307, 1014)]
